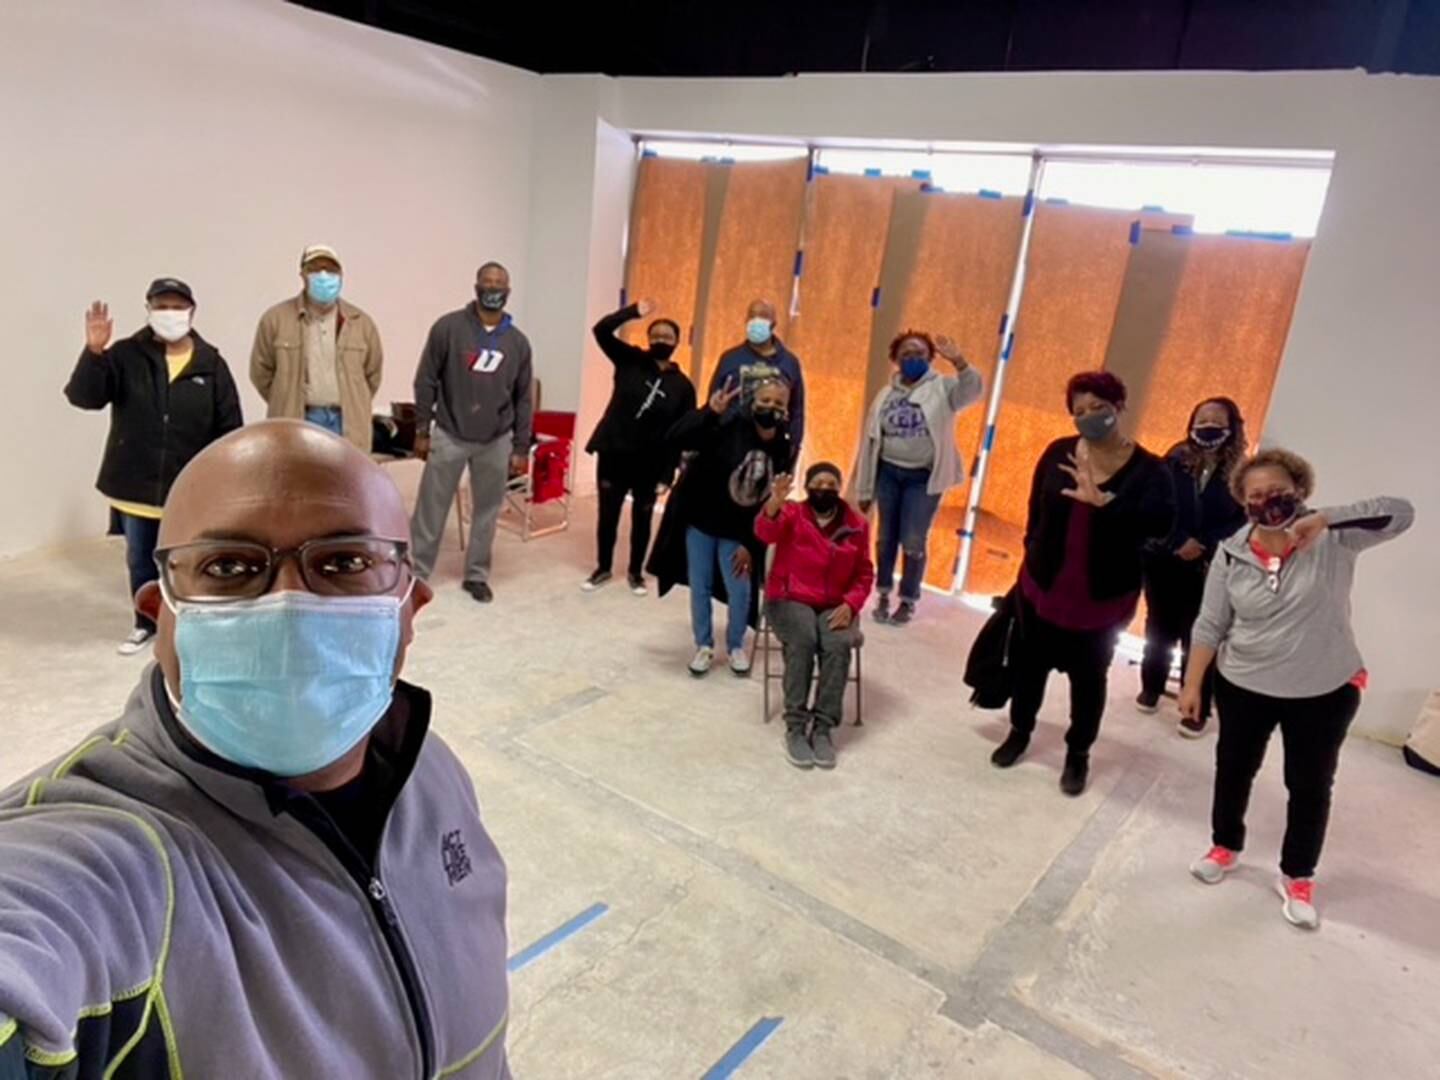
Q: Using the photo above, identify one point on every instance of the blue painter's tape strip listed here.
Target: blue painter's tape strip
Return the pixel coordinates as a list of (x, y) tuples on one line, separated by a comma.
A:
[(989, 438), (1135, 232), (650, 153), (623, 304), (799, 262), (873, 172), (875, 297), (919, 174), (1004, 322), (821, 170), (528, 955), (1029, 207), (1009, 345), (1183, 230), (986, 193), (1153, 209), (1283, 237), (964, 534), (1058, 202), (975, 467), (738, 1054)]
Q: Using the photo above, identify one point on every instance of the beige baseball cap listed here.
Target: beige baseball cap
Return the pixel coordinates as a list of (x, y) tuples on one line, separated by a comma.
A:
[(318, 251)]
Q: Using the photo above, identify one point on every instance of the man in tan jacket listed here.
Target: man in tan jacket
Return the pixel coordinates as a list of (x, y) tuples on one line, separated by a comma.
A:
[(318, 357)]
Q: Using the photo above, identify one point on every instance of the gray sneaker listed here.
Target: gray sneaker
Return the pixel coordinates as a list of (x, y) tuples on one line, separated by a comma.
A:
[(797, 748), (823, 747)]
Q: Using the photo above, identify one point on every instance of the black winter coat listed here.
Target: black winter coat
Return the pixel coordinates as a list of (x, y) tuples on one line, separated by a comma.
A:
[(156, 426)]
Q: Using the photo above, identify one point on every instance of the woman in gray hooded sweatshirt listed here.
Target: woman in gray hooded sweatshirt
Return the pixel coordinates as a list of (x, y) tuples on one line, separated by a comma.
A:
[(1276, 615)]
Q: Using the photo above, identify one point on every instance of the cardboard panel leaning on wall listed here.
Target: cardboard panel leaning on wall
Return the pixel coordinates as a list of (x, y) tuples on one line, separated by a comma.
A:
[(949, 262)]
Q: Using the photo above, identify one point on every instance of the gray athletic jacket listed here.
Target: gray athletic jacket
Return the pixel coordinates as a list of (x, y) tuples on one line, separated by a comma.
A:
[(1294, 641), (160, 914)]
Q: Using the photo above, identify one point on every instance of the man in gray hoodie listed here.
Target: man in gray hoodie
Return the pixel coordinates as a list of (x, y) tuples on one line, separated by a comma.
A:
[(268, 866), (474, 382)]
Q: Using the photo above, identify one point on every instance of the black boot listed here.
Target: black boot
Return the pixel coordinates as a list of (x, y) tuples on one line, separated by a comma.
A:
[(1077, 771), (1011, 750)]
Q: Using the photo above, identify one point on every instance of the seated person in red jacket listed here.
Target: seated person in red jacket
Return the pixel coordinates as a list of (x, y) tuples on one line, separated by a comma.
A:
[(818, 584)]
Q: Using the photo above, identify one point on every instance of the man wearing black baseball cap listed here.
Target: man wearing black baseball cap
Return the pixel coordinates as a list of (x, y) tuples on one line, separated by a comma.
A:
[(170, 395)]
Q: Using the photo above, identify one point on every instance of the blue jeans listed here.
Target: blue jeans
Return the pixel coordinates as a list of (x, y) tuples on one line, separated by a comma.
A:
[(326, 416), (906, 510), (141, 535), (702, 552)]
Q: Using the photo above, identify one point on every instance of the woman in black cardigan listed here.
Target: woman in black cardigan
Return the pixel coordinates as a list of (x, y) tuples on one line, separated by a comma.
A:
[(1095, 503), (1205, 514)]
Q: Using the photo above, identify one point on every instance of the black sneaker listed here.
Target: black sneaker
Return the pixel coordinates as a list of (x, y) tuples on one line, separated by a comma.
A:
[(480, 591), (1011, 750), (882, 609), (797, 748), (1077, 771), (596, 580), (904, 613), (637, 585), (1193, 728), (1147, 702), (823, 747)]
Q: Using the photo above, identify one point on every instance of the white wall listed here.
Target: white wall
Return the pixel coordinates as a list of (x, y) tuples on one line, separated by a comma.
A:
[(259, 128), (583, 170), (1361, 376)]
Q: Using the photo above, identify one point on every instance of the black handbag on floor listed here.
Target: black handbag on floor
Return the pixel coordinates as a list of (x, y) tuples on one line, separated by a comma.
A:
[(989, 671)]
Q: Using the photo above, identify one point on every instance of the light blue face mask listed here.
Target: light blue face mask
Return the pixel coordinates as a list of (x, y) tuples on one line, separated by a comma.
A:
[(758, 331), (288, 683), (322, 286)]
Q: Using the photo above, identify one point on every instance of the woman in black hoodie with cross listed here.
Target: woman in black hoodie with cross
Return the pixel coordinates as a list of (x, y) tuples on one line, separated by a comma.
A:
[(650, 394)]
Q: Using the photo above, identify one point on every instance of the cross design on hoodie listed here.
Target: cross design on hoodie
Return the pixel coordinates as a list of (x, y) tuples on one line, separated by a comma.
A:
[(650, 398)]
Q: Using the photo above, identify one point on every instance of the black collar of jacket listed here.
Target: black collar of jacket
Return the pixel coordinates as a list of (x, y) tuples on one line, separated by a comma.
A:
[(205, 358), (397, 738)]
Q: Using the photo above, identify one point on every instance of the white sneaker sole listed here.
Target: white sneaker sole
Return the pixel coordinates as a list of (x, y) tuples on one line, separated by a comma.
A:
[(1311, 923), (1196, 873), (1146, 710), (1186, 733), (131, 649)]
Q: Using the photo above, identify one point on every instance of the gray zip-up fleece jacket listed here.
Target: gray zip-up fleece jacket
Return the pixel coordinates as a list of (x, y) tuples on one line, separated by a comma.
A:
[(1294, 641), (162, 915), (475, 383)]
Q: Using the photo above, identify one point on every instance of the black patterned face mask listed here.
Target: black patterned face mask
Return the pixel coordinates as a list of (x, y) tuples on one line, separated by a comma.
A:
[(1278, 510)]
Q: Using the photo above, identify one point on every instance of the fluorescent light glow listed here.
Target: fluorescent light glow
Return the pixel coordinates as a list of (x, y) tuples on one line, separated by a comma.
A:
[(1251, 198), (724, 151), (1008, 174)]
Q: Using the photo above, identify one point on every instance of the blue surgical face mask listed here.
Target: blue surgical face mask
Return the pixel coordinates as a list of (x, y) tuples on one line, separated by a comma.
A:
[(758, 331), (322, 286), (288, 683), (913, 368)]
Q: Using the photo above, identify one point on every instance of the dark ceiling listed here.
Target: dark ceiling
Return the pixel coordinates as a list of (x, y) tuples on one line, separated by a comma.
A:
[(781, 37)]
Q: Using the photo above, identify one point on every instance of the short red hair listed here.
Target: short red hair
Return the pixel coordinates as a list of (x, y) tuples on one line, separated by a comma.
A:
[(1102, 384), (918, 335)]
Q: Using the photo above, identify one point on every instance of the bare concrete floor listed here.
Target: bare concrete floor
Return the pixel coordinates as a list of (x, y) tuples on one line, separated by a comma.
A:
[(913, 914)]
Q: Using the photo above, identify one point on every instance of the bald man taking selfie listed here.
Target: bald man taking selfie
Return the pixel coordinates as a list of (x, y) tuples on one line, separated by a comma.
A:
[(267, 866)]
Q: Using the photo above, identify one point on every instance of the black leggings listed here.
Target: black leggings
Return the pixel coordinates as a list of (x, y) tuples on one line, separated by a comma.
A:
[(1084, 655), (619, 475), (1313, 730), (1173, 591)]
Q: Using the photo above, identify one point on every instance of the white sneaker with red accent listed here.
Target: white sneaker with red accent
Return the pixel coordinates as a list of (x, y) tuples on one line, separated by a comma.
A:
[(1299, 897), (1212, 867)]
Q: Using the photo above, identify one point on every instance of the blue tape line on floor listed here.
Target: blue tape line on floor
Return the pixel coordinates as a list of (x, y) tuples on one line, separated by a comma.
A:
[(986, 193), (528, 955), (1134, 232), (1183, 230), (872, 172), (875, 297), (1029, 204), (799, 262), (738, 1054)]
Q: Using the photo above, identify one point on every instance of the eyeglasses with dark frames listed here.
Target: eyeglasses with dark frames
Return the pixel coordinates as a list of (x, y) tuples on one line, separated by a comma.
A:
[(226, 571)]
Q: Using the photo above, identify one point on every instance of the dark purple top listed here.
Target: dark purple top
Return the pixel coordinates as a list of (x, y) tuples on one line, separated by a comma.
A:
[(1068, 604)]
